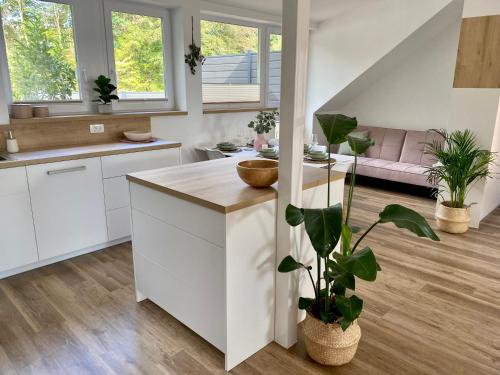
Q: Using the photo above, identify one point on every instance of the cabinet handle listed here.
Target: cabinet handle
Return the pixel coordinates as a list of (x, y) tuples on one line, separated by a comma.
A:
[(67, 170)]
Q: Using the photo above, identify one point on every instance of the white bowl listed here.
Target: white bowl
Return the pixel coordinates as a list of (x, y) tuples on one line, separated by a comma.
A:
[(137, 136)]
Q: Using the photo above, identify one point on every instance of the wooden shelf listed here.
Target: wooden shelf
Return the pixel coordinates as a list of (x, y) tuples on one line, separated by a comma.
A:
[(235, 110), (93, 116)]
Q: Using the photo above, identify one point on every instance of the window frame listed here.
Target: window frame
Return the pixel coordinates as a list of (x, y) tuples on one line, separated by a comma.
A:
[(277, 31), (5, 71), (167, 103), (263, 58)]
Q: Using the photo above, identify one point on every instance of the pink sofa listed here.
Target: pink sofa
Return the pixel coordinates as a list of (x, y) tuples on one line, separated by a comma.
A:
[(398, 155)]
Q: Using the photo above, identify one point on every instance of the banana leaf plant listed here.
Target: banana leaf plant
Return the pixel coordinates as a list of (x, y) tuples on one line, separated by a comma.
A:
[(334, 299)]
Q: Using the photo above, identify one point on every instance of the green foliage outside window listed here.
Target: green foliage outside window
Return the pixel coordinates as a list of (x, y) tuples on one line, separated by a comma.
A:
[(138, 47), (40, 49), (219, 38)]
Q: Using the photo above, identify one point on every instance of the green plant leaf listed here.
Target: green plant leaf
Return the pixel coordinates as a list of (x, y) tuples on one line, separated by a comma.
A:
[(344, 323), (346, 239), (323, 226), (406, 218), (359, 145), (349, 307), (362, 264), (294, 215), (336, 127), (289, 264), (305, 303)]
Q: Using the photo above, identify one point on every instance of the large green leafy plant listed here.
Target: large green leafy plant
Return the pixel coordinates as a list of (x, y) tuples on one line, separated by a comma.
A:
[(334, 299), (461, 162)]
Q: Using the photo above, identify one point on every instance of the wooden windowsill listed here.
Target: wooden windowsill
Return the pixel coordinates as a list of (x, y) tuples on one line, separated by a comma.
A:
[(234, 110), (94, 116)]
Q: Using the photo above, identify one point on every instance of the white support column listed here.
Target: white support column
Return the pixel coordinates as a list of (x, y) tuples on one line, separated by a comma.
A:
[(295, 31)]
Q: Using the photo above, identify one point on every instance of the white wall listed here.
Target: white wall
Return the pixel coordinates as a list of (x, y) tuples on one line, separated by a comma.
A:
[(478, 109), (414, 94), (478, 8), (346, 46)]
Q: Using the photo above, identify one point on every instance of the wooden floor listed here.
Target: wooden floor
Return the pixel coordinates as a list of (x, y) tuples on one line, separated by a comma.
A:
[(435, 309)]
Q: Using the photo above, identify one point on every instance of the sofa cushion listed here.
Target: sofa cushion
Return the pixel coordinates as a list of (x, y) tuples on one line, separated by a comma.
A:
[(414, 146), (393, 171), (388, 142)]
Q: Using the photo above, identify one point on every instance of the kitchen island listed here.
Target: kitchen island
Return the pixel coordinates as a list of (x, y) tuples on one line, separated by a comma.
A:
[(204, 246)]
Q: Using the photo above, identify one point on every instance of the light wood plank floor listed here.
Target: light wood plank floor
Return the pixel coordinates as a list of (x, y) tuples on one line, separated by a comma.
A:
[(435, 309)]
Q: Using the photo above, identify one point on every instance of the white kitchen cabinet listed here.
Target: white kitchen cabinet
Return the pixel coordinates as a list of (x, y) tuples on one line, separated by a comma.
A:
[(17, 237), (122, 164), (68, 206), (116, 191)]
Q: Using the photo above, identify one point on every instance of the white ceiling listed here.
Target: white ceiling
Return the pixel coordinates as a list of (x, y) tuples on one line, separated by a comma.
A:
[(321, 10)]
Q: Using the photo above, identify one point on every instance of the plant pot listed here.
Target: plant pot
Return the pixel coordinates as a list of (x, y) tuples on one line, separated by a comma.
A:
[(105, 108), (327, 344), (452, 220), (260, 139)]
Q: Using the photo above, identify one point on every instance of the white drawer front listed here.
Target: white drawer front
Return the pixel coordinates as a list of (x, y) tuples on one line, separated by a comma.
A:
[(116, 192), (120, 165), (118, 223), (68, 206), (13, 181)]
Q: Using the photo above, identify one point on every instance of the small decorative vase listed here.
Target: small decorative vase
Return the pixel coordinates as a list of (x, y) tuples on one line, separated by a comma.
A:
[(260, 139), (105, 108), (327, 344), (452, 220)]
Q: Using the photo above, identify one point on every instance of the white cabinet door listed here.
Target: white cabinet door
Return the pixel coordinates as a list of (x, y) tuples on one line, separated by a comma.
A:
[(68, 206), (17, 238)]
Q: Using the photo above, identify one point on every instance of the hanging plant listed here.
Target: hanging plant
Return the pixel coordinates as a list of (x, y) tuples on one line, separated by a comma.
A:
[(194, 56)]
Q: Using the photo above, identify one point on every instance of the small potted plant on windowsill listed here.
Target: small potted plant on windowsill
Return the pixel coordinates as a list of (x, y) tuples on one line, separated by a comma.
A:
[(460, 164), (331, 327), (265, 122), (105, 90)]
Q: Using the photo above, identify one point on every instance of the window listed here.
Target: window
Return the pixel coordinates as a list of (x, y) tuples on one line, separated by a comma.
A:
[(138, 56), (40, 50), (231, 69), (274, 70)]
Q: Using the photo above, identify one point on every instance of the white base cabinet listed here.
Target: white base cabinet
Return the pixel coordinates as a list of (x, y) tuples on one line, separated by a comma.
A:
[(54, 211), (116, 192), (68, 202), (17, 237)]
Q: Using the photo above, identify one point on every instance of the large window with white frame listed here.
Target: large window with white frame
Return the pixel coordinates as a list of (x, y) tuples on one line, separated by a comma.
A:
[(231, 71), (138, 51), (40, 50), (52, 50)]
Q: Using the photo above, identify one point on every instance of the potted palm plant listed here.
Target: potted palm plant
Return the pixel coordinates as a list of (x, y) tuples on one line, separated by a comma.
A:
[(331, 329), (460, 164), (105, 90)]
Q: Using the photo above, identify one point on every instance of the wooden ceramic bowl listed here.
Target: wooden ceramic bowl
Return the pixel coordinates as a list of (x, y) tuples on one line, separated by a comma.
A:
[(258, 173)]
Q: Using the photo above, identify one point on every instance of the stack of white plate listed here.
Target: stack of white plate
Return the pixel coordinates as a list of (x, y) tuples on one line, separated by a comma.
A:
[(227, 146), (269, 153)]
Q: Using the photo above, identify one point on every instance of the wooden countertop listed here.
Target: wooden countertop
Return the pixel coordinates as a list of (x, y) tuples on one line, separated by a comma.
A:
[(41, 156), (215, 184)]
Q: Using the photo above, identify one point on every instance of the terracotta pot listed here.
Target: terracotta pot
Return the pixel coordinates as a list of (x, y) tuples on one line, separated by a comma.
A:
[(327, 344), (452, 220), (260, 140)]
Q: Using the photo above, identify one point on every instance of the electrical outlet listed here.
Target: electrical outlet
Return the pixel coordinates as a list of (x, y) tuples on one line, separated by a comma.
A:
[(96, 128)]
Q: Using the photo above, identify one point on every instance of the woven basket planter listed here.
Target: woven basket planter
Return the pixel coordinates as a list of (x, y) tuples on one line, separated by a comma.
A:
[(327, 344), (452, 220)]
